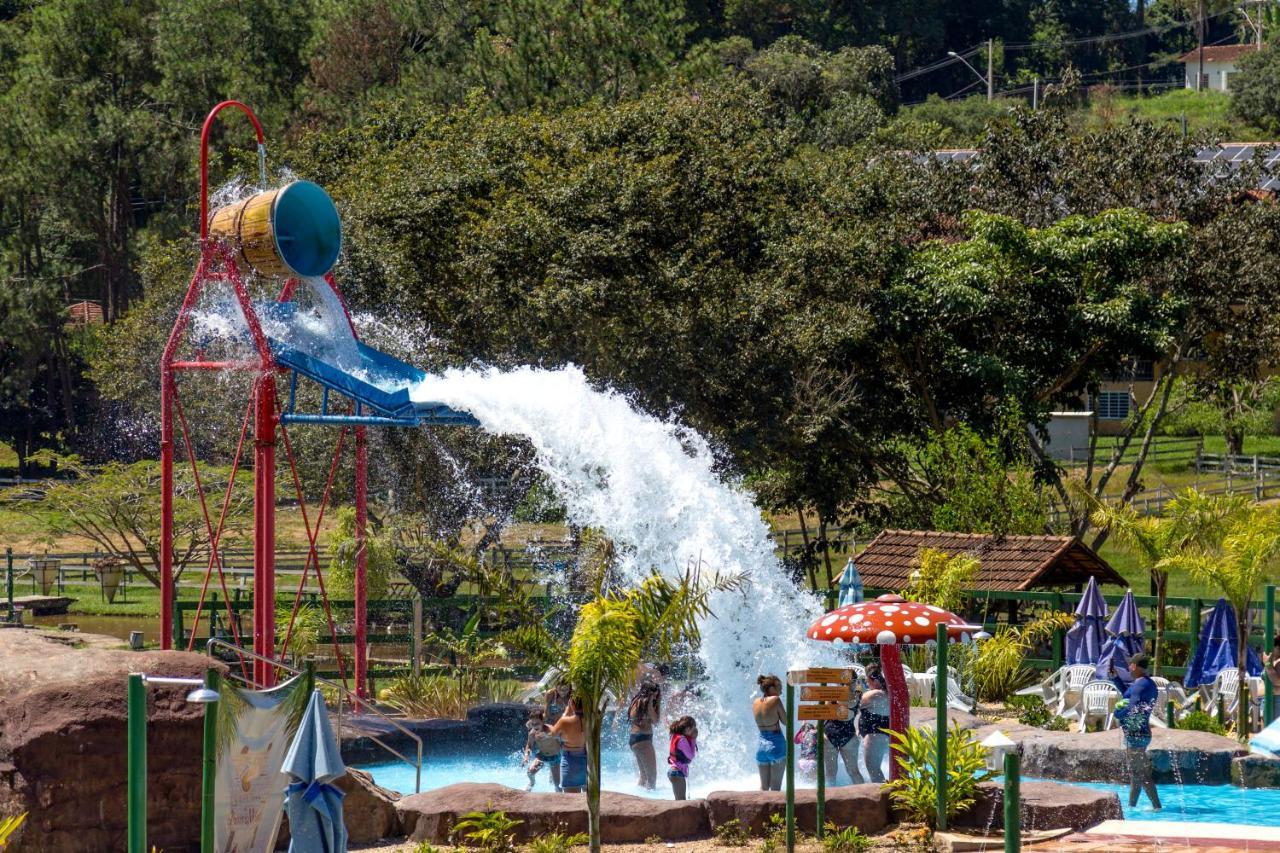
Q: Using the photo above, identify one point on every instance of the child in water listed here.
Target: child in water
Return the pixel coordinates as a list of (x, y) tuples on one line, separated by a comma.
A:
[(807, 754), (545, 746), (684, 746)]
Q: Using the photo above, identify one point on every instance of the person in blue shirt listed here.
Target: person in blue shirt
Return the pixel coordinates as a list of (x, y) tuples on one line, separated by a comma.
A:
[(1133, 712)]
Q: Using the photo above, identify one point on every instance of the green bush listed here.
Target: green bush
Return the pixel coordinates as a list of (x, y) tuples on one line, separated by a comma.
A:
[(491, 831), (847, 840), (556, 842), (915, 790), (1199, 721), (1032, 711), (732, 833)]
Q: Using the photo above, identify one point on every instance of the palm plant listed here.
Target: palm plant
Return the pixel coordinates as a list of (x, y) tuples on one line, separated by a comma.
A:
[(1193, 523), (1248, 557), (470, 651), (614, 633)]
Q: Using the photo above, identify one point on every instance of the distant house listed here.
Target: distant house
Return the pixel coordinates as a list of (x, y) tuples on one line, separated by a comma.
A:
[(84, 313), (1219, 64), (1006, 562)]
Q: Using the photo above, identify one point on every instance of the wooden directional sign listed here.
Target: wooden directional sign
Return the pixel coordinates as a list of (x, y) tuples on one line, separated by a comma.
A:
[(836, 693), (820, 675), (822, 712)]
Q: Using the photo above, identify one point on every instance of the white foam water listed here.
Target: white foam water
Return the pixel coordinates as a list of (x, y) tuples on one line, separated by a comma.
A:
[(653, 489)]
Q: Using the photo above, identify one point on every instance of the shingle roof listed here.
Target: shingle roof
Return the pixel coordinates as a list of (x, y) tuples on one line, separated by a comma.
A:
[(1219, 53), (1007, 562)]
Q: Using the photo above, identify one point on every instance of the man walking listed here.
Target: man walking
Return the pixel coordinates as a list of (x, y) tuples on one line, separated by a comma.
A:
[(1134, 715)]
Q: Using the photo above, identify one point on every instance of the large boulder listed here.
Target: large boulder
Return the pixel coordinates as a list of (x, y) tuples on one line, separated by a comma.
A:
[(1176, 756), (863, 806), (63, 743), (1044, 805), (623, 818), (1256, 771)]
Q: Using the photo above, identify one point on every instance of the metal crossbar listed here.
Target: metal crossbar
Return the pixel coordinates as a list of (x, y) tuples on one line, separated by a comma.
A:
[(343, 694)]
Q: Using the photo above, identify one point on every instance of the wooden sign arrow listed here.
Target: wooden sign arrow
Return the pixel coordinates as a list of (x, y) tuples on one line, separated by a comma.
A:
[(820, 675), (822, 712), (835, 693)]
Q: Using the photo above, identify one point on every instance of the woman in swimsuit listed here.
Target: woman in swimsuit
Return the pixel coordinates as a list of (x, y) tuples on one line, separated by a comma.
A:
[(644, 711), (554, 702), (771, 746), (873, 717), (573, 758), (842, 742)]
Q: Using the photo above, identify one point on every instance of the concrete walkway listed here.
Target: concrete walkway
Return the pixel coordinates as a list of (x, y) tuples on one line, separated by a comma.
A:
[(1150, 836)]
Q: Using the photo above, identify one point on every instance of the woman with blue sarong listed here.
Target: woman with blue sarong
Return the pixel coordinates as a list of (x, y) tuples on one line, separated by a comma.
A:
[(771, 745)]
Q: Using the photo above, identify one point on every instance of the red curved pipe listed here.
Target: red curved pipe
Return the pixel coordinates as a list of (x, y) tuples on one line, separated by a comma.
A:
[(204, 156)]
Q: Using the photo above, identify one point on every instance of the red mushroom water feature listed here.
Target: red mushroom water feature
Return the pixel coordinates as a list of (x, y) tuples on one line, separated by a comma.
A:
[(891, 621)]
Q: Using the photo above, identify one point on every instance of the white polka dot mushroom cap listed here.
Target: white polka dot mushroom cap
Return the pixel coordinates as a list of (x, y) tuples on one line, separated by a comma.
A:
[(889, 620)]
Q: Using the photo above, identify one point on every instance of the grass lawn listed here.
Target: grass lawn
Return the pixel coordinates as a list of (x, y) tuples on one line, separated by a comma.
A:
[(1206, 112)]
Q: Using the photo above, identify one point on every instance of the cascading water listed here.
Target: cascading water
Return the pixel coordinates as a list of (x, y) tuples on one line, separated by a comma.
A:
[(653, 489)]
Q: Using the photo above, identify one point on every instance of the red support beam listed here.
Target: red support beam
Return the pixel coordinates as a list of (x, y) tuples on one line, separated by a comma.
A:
[(362, 563), (264, 529)]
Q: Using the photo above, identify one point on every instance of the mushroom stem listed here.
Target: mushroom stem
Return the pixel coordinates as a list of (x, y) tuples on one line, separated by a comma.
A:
[(899, 701)]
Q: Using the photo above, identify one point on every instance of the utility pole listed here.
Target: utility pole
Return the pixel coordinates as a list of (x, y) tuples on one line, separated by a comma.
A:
[(1035, 93), (991, 80), (1200, 48)]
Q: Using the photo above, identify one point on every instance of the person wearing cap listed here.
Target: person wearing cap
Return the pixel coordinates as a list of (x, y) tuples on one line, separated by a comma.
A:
[(1133, 712)]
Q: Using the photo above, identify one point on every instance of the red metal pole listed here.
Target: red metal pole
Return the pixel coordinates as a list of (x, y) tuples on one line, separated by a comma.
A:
[(899, 701), (166, 506), (204, 156), (264, 529), (362, 563)]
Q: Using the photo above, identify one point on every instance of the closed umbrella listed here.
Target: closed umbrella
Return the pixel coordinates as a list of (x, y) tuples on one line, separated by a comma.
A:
[(1218, 648), (314, 805), (1124, 638), (1085, 638), (850, 585)]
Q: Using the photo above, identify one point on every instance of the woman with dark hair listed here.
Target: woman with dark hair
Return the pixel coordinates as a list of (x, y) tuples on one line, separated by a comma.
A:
[(644, 711), (873, 719), (680, 753), (573, 758), (771, 746)]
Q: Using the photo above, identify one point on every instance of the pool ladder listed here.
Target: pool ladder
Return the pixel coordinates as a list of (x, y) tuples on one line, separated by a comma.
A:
[(345, 697)]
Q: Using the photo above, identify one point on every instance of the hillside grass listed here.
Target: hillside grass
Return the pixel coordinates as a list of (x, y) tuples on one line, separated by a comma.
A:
[(1205, 113)]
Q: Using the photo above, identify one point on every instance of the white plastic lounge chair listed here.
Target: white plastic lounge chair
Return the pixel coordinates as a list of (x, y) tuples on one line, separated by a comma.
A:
[(1069, 695), (1098, 701)]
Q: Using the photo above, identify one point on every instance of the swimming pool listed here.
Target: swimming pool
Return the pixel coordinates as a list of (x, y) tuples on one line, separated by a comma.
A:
[(617, 765), (1193, 803)]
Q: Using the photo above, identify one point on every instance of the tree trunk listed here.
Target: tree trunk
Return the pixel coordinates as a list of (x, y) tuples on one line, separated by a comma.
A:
[(593, 716), (809, 567), (1242, 656)]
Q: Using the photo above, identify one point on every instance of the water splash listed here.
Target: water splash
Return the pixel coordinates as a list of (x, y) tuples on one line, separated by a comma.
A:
[(652, 487)]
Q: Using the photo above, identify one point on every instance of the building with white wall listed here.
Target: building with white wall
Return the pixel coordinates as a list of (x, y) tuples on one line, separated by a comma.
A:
[(1219, 64)]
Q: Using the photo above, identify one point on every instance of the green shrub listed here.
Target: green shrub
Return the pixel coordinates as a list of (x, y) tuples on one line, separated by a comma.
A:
[(1199, 721), (847, 840), (915, 790), (491, 831), (426, 847), (556, 842), (732, 833)]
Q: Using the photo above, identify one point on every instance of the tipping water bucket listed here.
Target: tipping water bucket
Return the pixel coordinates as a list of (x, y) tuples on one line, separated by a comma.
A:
[(290, 231)]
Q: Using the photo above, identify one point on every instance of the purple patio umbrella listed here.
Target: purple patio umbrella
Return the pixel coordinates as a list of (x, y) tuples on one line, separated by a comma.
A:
[(1085, 639), (1124, 638)]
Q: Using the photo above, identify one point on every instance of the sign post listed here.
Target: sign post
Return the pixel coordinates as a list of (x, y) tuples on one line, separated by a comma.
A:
[(1012, 808), (824, 695), (1269, 622)]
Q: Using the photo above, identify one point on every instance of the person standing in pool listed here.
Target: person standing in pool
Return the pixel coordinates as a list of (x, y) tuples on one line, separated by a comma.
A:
[(771, 745), (644, 711), (842, 743), (544, 747), (554, 702), (573, 757), (873, 719), (680, 753), (1133, 712)]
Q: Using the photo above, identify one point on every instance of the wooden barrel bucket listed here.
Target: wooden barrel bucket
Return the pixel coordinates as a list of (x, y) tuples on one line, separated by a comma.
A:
[(285, 232)]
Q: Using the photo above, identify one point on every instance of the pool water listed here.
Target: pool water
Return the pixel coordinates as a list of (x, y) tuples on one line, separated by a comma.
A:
[(1202, 803), (617, 765)]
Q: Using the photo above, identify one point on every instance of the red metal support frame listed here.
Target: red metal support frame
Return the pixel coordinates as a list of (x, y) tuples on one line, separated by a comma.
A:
[(264, 529)]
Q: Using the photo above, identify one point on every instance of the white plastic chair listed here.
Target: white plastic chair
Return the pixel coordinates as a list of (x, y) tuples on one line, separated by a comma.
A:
[(1069, 693), (1098, 701)]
